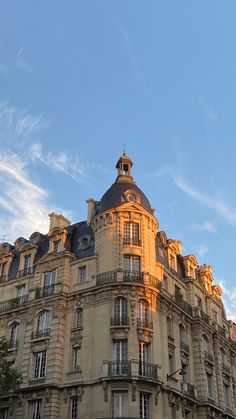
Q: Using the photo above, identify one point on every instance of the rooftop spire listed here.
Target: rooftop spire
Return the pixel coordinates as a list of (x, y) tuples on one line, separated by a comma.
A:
[(124, 166)]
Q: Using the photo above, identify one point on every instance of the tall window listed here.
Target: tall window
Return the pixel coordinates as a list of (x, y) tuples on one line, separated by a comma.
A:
[(209, 385), (43, 321), (131, 263), (120, 352), (27, 259), (79, 317), (82, 274), (74, 407), (182, 334), (3, 272), (143, 313), (4, 413), (14, 336), (39, 364), (76, 357), (169, 326), (205, 342), (120, 311), (21, 293), (35, 409), (226, 394), (143, 358), (49, 282), (144, 406), (172, 262), (119, 404), (131, 234)]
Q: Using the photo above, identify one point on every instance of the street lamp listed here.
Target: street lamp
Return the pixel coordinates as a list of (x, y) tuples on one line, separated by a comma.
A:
[(180, 371)]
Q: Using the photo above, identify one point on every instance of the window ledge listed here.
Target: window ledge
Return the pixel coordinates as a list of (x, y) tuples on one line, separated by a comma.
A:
[(37, 380)]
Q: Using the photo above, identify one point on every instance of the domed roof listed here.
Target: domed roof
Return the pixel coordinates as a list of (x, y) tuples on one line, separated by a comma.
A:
[(120, 193), (124, 189)]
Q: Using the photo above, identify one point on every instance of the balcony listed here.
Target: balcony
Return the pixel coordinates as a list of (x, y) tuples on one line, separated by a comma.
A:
[(106, 277), (132, 276), (148, 370), (184, 347), (14, 303), (45, 291), (26, 272), (208, 357), (189, 389), (180, 302), (119, 321), (225, 369), (119, 368), (144, 324), (40, 334), (131, 241)]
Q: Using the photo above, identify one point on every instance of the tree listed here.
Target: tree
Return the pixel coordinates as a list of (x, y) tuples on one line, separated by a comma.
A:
[(10, 377)]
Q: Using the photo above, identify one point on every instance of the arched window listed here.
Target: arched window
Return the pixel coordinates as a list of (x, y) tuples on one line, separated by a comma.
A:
[(43, 323), (120, 311), (79, 317), (14, 335)]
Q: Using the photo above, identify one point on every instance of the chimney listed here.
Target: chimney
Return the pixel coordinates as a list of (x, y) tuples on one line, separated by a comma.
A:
[(58, 220), (91, 205)]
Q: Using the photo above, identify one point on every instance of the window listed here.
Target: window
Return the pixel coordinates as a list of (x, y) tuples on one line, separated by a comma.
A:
[(27, 263), (172, 262), (56, 245), (76, 357), (120, 364), (39, 364), (120, 311), (209, 385), (131, 234), (21, 294), (35, 409), (74, 407), (171, 361), (4, 413), (198, 302), (182, 334), (49, 282), (43, 322), (143, 313), (79, 317), (205, 342), (82, 274), (14, 335), (191, 272), (226, 394), (131, 263), (3, 272), (143, 358), (169, 326), (144, 406), (215, 316), (119, 404)]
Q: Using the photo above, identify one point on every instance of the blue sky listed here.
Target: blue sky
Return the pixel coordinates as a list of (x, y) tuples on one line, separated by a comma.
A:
[(80, 79)]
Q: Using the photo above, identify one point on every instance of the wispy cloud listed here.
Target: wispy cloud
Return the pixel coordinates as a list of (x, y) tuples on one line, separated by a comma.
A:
[(131, 52), (229, 300), (207, 108), (207, 225), (23, 203), (218, 205), (60, 162), (18, 125), (22, 63), (202, 250)]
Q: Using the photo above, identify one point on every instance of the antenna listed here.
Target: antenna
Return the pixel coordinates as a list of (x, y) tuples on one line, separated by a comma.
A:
[(2, 240)]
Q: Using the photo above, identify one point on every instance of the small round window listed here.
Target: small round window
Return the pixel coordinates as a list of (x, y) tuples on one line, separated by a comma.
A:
[(131, 197), (84, 242)]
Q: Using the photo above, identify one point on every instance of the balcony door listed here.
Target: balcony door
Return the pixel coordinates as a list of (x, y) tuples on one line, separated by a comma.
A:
[(120, 352), (120, 311), (120, 404), (131, 263), (143, 358), (49, 282)]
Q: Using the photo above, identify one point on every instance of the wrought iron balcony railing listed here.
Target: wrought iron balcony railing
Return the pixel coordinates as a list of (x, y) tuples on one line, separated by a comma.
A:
[(144, 324), (13, 344), (106, 277), (119, 368), (184, 346), (133, 276), (225, 369), (148, 370), (45, 291), (40, 334), (208, 357), (119, 321), (183, 304), (13, 303), (26, 271), (129, 241)]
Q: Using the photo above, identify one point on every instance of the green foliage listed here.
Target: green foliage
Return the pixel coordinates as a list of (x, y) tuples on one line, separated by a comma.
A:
[(10, 377)]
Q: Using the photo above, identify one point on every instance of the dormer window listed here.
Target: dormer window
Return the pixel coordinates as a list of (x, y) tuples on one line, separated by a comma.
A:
[(56, 246), (27, 259), (3, 270), (172, 262)]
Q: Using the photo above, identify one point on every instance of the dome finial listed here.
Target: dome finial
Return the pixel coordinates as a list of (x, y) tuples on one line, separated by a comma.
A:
[(124, 151)]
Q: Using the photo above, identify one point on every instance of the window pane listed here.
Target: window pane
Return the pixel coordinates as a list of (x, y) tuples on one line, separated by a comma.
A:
[(4, 413), (144, 406), (40, 364), (120, 404), (35, 409), (74, 408)]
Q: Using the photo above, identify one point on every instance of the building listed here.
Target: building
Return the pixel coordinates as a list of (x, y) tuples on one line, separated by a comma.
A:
[(107, 319)]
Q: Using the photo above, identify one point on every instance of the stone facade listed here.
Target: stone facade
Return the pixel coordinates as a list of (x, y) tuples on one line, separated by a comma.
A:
[(107, 318)]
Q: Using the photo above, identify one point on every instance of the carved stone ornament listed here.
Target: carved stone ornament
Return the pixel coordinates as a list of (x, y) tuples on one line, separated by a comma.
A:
[(157, 392), (134, 389), (171, 399)]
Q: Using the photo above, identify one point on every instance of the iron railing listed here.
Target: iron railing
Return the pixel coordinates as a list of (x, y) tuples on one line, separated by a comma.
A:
[(184, 346), (120, 321), (225, 369), (119, 368), (106, 277), (132, 276), (148, 370), (144, 324), (208, 357), (45, 291), (26, 271), (183, 304), (13, 303), (40, 334)]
